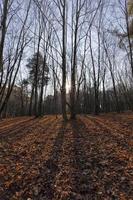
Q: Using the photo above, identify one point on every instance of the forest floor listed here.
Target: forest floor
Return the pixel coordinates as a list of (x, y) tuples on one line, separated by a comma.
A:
[(90, 158)]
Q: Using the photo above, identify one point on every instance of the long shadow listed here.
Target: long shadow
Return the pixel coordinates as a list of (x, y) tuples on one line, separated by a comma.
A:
[(20, 130), (82, 165), (47, 172), (14, 128), (121, 141), (50, 168), (92, 167), (20, 156), (9, 122)]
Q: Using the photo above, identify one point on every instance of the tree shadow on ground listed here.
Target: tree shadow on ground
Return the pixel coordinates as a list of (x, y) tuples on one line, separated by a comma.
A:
[(19, 185), (20, 130), (97, 177), (116, 135), (50, 168), (82, 165)]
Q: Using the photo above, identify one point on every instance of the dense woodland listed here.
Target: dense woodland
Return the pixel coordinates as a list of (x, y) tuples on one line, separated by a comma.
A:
[(60, 56)]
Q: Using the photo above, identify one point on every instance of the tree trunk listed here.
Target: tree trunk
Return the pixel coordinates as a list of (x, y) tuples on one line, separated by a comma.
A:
[(31, 100), (3, 31), (42, 86), (63, 92)]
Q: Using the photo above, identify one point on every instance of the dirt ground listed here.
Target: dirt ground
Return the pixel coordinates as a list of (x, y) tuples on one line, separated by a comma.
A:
[(90, 158)]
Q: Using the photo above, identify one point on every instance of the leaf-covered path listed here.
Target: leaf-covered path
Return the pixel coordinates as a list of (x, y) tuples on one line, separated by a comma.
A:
[(47, 159)]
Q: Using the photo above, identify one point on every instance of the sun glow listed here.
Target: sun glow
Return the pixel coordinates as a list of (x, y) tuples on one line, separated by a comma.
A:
[(68, 87)]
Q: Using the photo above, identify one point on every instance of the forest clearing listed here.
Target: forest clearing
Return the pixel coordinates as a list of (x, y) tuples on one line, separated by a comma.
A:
[(87, 158), (66, 99)]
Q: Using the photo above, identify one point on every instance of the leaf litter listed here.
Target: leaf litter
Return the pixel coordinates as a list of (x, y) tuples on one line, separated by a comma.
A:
[(90, 158)]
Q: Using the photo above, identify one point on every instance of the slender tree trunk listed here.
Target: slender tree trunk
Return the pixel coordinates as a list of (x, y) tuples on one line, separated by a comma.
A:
[(22, 101), (129, 38), (115, 93), (104, 98), (3, 31), (73, 70), (64, 64), (11, 84), (96, 82), (36, 79), (31, 100), (73, 87), (42, 87), (97, 109)]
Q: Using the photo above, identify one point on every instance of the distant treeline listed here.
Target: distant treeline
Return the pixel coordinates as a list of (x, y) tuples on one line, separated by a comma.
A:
[(19, 102)]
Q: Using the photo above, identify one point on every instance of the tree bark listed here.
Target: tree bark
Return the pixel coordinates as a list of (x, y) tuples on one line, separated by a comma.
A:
[(63, 92)]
